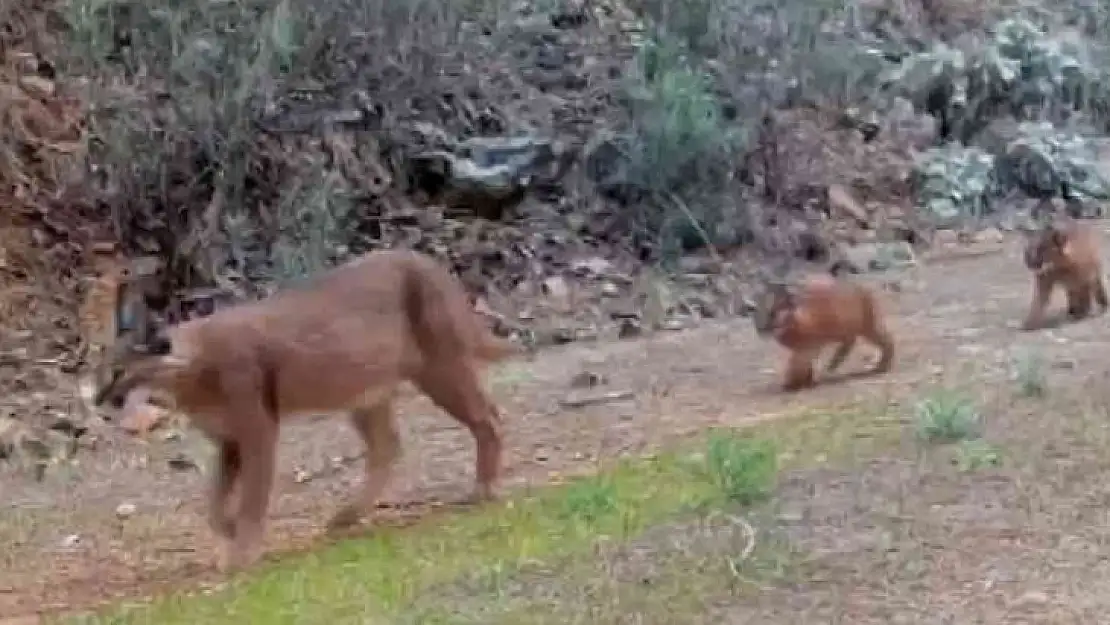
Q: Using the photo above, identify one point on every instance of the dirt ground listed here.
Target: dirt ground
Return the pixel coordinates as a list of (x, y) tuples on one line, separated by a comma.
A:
[(1007, 545)]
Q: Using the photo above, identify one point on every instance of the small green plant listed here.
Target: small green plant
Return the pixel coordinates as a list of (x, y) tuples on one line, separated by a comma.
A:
[(744, 469), (947, 417), (1029, 373), (589, 499), (976, 454)]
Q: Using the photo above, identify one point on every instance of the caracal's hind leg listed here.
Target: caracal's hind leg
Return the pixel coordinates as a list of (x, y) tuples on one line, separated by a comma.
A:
[(1079, 301), (1099, 292), (378, 430), (454, 386), (881, 338), (841, 353)]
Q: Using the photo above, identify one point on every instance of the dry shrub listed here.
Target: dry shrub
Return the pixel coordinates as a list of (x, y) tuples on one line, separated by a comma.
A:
[(236, 106), (41, 150)]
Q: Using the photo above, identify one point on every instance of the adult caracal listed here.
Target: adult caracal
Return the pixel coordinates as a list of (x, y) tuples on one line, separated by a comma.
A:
[(343, 342)]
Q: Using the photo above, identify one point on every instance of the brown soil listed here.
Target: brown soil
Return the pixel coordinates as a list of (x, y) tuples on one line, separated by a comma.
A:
[(69, 550)]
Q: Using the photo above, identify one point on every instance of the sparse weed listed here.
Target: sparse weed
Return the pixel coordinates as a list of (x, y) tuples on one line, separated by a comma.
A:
[(1029, 373), (947, 417), (972, 455), (744, 469)]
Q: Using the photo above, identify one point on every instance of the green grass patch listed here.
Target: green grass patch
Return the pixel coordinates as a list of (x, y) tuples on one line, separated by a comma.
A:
[(377, 579), (948, 417), (683, 574), (742, 470)]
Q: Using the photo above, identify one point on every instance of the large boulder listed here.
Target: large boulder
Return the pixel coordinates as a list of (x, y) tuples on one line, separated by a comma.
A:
[(485, 175), (1043, 162), (953, 183)]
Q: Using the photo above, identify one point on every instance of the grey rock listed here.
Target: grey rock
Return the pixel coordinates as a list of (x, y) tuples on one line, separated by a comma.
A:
[(877, 257), (485, 171), (629, 328)]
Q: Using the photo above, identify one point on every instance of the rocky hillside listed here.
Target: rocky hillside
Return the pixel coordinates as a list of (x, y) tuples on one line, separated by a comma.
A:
[(590, 168)]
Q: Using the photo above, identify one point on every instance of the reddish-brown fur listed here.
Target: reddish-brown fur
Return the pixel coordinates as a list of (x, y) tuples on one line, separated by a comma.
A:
[(1064, 253), (818, 312), (342, 343)]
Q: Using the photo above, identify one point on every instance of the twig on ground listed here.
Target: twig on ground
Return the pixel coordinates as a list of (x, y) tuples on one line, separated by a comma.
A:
[(749, 547), (581, 401)]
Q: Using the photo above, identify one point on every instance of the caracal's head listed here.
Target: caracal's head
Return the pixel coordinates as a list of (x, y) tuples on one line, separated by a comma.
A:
[(1045, 247), (128, 365), (774, 303)]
